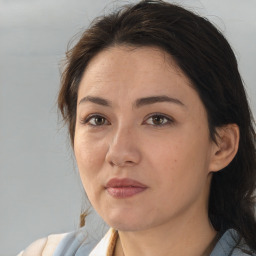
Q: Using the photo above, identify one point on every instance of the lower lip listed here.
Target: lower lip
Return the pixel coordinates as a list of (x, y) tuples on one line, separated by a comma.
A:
[(124, 192)]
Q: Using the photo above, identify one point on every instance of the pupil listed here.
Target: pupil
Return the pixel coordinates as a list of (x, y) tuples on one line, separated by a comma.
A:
[(158, 120), (99, 120)]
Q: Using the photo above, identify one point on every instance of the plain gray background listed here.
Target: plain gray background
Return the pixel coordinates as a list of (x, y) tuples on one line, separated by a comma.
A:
[(40, 191)]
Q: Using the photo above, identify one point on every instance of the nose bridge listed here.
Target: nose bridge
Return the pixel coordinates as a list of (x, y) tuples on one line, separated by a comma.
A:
[(123, 147), (122, 134)]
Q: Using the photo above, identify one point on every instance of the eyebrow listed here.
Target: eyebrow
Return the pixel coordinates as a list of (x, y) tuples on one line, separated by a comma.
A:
[(138, 103), (156, 99), (96, 100)]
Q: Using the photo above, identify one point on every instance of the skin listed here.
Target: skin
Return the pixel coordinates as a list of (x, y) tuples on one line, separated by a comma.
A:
[(170, 152)]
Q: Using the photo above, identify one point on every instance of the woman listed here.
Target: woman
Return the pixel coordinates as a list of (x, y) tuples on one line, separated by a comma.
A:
[(162, 134)]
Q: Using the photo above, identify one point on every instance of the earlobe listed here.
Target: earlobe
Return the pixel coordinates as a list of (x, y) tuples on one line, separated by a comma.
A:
[(226, 148)]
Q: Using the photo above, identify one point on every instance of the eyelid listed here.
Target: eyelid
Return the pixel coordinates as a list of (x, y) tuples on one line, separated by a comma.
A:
[(169, 119), (87, 119)]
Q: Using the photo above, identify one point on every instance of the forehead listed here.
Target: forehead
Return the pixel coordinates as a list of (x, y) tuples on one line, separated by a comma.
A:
[(129, 71)]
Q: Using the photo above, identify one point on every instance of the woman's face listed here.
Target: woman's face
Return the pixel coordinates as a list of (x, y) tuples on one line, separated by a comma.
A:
[(141, 142)]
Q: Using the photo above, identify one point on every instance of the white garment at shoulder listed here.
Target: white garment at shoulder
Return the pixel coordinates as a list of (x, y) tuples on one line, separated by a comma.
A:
[(106, 245), (44, 246)]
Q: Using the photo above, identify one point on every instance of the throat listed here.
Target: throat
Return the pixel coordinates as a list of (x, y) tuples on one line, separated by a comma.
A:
[(119, 250)]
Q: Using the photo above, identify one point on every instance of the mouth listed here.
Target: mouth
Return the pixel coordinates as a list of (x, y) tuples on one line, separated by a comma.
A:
[(123, 188)]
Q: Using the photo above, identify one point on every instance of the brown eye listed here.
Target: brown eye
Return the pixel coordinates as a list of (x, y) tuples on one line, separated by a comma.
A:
[(97, 120), (158, 120)]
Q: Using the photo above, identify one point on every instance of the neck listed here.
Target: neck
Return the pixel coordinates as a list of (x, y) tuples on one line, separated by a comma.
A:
[(195, 236)]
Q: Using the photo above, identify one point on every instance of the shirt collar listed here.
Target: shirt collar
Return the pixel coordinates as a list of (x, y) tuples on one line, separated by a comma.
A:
[(107, 244), (226, 245)]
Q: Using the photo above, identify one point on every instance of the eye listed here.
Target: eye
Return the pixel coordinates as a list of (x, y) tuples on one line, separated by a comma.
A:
[(96, 120), (158, 120)]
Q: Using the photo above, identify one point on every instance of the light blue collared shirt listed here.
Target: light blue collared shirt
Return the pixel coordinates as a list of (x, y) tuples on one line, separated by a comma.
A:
[(80, 244)]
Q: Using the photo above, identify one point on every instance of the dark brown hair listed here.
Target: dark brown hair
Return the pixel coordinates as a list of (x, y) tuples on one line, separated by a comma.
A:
[(207, 59)]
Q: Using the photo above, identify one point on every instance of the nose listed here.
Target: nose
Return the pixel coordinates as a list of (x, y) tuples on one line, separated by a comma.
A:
[(123, 149)]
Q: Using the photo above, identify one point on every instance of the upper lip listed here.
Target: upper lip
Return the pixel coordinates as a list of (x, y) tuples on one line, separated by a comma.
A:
[(117, 183)]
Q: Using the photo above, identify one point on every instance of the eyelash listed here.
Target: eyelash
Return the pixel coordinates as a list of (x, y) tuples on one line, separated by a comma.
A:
[(91, 117), (167, 120)]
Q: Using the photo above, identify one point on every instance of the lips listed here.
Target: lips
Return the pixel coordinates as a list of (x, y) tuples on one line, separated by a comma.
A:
[(123, 188)]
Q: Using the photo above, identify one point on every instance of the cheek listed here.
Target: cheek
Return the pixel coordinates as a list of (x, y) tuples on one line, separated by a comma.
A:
[(178, 176), (90, 156), (180, 161), (162, 163)]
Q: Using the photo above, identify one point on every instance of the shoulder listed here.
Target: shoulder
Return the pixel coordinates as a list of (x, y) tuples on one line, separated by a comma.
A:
[(78, 243), (45, 245), (231, 244)]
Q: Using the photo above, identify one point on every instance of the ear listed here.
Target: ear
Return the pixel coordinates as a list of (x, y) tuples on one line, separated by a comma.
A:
[(226, 147)]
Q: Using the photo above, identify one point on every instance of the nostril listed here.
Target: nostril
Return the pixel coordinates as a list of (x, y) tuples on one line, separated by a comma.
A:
[(116, 164), (119, 164), (130, 162)]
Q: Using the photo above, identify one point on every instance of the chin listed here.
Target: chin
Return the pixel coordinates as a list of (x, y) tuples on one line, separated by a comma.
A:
[(127, 221)]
